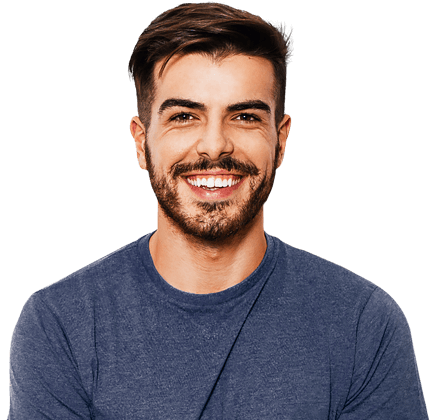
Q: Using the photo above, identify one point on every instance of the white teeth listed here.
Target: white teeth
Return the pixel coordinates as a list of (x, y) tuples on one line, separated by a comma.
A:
[(213, 182)]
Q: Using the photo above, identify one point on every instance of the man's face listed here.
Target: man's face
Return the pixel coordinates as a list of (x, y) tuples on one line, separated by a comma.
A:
[(212, 146)]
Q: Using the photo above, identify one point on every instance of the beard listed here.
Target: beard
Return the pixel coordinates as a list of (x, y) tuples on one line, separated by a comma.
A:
[(212, 221)]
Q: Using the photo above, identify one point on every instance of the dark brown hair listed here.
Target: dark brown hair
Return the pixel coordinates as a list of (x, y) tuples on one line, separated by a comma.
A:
[(207, 28)]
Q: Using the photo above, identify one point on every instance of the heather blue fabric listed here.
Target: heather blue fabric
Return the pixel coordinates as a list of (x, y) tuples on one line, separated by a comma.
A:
[(300, 339)]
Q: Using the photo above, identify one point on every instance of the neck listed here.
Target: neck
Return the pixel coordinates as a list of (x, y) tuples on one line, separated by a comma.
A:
[(197, 266)]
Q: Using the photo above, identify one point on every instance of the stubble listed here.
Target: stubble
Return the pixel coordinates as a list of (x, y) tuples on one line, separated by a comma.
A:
[(212, 221)]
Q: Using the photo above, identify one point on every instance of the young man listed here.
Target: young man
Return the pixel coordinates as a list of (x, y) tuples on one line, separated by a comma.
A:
[(208, 317)]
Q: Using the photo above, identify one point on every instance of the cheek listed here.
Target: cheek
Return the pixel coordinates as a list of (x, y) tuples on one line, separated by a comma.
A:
[(167, 146), (170, 151), (259, 149)]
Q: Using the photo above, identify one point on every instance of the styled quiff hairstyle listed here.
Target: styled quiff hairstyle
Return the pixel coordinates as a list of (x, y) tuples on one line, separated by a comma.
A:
[(212, 29)]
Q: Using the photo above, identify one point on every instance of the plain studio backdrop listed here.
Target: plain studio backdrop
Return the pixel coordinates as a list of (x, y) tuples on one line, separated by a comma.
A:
[(354, 187)]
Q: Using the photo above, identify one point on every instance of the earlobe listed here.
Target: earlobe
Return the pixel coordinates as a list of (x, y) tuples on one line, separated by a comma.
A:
[(138, 133)]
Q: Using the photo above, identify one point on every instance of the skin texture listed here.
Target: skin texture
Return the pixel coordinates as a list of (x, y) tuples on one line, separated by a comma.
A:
[(211, 117)]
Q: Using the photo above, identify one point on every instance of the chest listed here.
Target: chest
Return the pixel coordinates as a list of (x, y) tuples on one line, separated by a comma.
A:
[(265, 368)]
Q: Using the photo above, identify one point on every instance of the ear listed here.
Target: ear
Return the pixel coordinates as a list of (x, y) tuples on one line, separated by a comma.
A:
[(283, 132), (138, 133)]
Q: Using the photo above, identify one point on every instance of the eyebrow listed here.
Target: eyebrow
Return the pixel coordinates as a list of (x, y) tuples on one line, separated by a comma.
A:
[(187, 103), (254, 104)]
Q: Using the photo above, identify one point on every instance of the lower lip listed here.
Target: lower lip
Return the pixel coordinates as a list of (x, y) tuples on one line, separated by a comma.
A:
[(218, 194)]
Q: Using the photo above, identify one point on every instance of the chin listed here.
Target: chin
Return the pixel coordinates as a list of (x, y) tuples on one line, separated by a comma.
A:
[(217, 220)]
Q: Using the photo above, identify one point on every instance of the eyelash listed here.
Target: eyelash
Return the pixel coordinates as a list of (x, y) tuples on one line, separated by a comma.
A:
[(255, 118), (177, 117), (185, 117)]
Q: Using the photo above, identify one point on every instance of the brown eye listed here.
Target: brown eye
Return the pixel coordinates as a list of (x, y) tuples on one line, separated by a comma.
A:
[(247, 118), (182, 117)]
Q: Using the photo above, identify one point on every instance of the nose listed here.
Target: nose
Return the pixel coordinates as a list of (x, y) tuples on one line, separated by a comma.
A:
[(214, 142)]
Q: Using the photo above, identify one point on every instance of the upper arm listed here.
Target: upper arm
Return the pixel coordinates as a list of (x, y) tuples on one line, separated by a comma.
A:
[(45, 380), (385, 382)]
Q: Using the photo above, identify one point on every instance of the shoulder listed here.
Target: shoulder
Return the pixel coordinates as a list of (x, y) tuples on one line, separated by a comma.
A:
[(322, 276), (78, 296), (96, 277), (338, 295)]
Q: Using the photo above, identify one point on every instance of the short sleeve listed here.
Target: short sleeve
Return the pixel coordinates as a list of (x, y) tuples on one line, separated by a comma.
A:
[(385, 383), (45, 381)]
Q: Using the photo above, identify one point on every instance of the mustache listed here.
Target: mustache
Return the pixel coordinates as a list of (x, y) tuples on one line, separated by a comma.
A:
[(227, 163)]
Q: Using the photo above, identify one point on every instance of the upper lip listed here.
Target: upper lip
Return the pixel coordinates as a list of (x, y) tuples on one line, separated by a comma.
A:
[(212, 172)]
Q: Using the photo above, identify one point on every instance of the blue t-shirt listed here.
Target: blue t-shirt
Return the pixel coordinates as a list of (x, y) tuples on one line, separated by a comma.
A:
[(300, 339)]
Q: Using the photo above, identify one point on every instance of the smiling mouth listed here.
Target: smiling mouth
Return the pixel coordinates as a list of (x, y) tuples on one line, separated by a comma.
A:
[(214, 186), (213, 183)]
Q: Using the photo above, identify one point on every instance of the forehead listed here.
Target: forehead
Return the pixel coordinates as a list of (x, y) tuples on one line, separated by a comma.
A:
[(215, 82)]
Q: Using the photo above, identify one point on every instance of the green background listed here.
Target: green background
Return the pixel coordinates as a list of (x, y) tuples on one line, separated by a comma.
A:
[(353, 188)]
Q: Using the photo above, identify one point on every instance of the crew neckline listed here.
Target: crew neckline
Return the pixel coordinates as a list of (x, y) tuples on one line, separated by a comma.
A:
[(260, 274)]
